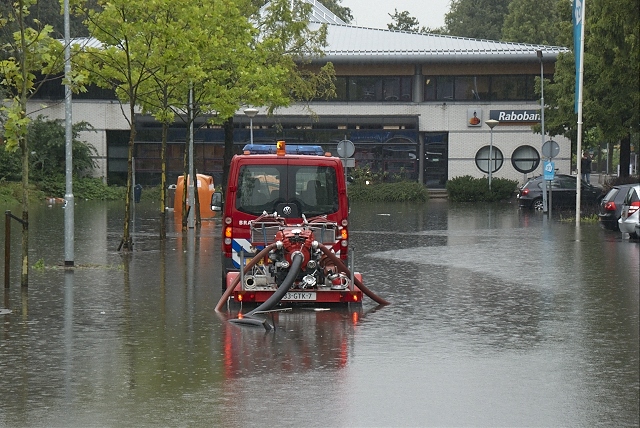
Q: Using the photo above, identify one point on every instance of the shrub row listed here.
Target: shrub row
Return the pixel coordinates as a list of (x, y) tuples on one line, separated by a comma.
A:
[(469, 189), (403, 191)]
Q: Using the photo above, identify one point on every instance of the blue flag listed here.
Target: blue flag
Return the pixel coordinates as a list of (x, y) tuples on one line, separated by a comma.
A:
[(577, 44)]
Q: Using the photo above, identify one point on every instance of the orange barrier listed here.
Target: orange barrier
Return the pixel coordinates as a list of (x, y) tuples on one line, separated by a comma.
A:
[(205, 191)]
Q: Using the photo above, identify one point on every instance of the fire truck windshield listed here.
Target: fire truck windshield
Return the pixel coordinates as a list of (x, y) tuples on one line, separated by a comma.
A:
[(262, 187)]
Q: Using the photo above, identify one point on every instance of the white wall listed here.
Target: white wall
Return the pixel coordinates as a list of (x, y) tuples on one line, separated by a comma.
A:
[(451, 117), (464, 141)]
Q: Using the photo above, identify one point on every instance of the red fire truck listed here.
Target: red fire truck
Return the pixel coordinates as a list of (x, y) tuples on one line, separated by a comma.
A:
[(285, 220)]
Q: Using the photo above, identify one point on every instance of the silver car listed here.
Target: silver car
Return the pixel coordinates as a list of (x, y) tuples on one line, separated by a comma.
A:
[(630, 214)]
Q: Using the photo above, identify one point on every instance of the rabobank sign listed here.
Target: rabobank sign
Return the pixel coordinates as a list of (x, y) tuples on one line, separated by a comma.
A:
[(515, 116)]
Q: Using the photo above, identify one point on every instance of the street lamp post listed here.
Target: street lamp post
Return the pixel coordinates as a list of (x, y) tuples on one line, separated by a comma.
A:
[(544, 182), (491, 123), (251, 113)]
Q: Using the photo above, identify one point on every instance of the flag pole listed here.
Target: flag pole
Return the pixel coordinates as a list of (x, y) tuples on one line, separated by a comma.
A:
[(580, 76)]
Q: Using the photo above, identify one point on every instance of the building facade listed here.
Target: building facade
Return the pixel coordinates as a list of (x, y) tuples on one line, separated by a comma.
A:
[(414, 105)]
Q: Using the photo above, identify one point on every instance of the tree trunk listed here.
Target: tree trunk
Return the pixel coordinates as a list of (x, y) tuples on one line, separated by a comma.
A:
[(625, 155), (185, 182), (228, 150), (24, 147), (196, 200), (24, 271), (163, 182), (127, 241)]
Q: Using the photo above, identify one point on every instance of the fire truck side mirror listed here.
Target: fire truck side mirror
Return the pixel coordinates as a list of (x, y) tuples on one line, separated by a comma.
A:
[(216, 201)]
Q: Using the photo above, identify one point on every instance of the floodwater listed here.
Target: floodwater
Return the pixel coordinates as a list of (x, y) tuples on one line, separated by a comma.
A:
[(498, 318)]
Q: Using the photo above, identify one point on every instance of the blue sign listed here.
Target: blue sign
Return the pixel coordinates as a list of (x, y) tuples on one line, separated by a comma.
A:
[(549, 170)]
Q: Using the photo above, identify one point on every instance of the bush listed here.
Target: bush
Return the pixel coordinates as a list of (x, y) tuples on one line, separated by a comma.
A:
[(403, 191), (95, 189), (469, 189), (11, 193), (631, 179), (83, 188)]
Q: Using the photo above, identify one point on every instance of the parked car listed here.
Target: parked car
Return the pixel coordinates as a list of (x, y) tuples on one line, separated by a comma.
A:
[(563, 192), (611, 206), (630, 214)]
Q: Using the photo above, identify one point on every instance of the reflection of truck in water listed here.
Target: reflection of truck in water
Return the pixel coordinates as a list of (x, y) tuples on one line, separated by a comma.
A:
[(321, 340), (285, 220)]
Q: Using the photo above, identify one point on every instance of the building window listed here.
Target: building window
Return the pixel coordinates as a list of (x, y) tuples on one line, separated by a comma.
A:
[(525, 159), (480, 88), (444, 88), (341, 88), (513, 88), (379, 88), (473, 88), (482, 159)]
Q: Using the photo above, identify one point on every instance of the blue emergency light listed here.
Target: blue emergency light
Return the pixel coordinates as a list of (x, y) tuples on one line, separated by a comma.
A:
[(291, 149)]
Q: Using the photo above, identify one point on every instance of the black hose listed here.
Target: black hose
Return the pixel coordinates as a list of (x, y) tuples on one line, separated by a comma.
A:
[(271, 302)]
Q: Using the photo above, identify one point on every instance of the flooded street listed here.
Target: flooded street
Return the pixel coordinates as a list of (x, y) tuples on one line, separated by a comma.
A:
[(498, 318)]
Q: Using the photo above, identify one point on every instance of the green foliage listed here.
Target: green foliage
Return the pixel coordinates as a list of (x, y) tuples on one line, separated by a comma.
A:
[(95, 189), (26, 52), (469, 189), (47, 159), (365, 175), (403, 21), (39, 265), (10, 165), (47, 142), (403, 191), (615, 181), (532, 21), (611, 95), (11, 193), (478, 19), (83, 188)]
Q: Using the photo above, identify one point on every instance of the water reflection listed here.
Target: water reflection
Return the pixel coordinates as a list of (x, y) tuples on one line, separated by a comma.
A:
[(498, 318), (305, 339)]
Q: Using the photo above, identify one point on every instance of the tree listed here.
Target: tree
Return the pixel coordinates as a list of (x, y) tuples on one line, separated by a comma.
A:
[(611, 93), (478, 19), (279, 70), (199, 49), (127, 30), (30, 51), (532, 21), (402, 21), (615, 44), (47, 144)]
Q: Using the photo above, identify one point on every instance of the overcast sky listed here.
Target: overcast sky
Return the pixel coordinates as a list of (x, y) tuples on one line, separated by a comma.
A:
[(375, 13)]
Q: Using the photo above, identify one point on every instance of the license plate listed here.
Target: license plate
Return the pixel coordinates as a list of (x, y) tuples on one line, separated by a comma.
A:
[(248, 259), (300, 295)]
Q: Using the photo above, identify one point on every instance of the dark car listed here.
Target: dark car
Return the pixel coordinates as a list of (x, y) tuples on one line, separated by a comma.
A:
[(611, 206), (563, 192)]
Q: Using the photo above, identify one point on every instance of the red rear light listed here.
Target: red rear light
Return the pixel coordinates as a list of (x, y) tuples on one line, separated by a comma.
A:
[(245, 296), (610, 206), (634, 207), (351, 296), (524, 192)]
